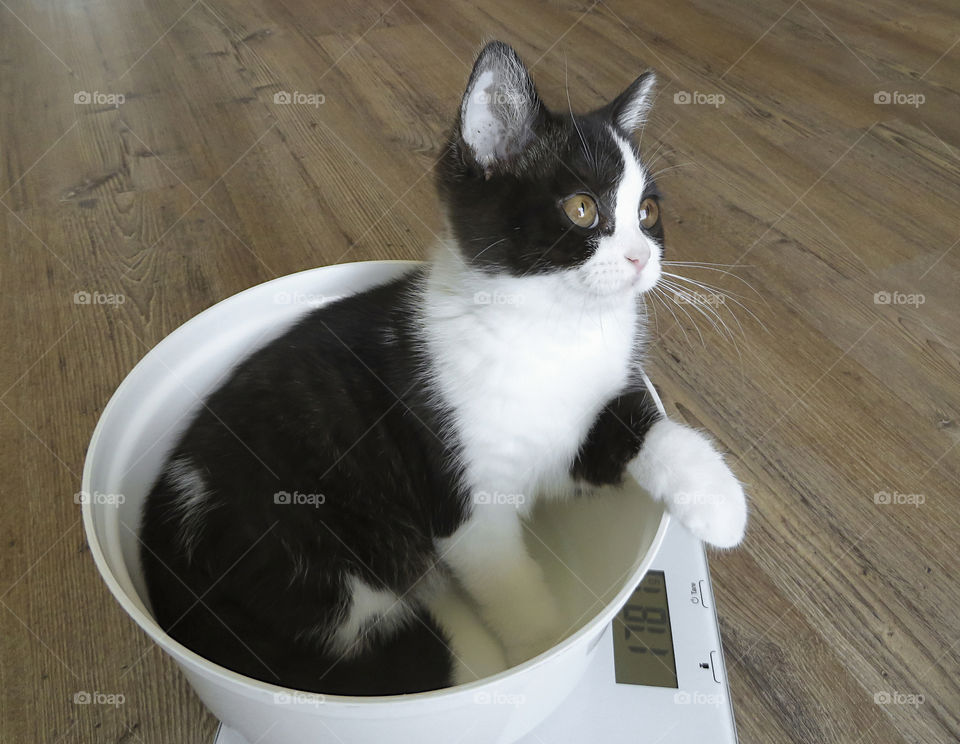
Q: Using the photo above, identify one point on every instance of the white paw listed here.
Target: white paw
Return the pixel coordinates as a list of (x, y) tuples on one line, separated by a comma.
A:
[(712, 506), (680, 467)]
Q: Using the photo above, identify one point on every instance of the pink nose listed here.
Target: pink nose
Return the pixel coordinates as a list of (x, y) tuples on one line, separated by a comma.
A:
[(639, 261)]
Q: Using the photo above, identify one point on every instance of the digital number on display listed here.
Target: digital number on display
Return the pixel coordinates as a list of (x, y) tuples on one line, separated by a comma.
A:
[(642, 639)]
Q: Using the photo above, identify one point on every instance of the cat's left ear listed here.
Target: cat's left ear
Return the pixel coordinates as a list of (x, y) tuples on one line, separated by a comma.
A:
[(500, 108), (629, 110)]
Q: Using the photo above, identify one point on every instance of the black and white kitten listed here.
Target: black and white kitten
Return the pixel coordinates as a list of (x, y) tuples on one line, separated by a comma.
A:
[(510, 364)]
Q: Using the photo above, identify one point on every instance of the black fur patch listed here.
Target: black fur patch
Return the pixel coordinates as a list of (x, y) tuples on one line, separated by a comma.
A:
[(615, 438), (328, 408)]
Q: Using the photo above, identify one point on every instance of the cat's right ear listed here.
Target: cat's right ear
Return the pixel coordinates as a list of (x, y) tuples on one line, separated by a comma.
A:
[(500, 107)]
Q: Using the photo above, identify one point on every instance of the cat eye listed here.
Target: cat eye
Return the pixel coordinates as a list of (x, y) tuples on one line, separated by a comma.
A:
[(581, 210), (649, 212)]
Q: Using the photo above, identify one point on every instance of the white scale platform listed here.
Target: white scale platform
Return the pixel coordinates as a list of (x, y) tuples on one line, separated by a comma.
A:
[(658, 675)]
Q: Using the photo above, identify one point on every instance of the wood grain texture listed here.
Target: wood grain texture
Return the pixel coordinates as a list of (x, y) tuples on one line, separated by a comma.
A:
[(198, 186)]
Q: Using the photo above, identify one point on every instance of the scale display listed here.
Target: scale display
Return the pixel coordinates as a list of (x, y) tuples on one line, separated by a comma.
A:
[(642, 638)]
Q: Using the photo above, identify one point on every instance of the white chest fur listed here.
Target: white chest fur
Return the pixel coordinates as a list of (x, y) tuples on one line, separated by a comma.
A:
[(526, 365)]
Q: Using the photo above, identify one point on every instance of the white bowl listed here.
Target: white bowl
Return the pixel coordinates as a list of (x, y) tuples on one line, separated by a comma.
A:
[(594, 552)]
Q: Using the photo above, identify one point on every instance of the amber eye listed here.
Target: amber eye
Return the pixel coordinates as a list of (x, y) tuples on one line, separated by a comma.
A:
[(649, 212), (581, 210)]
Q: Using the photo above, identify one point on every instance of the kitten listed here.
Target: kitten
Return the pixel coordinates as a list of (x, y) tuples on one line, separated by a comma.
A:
[(402, 417)]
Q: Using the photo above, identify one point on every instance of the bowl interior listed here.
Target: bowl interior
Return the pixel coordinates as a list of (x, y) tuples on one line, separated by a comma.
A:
[(589, 548)]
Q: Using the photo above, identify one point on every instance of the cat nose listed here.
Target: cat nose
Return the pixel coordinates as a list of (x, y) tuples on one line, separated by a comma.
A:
[(638, 258)]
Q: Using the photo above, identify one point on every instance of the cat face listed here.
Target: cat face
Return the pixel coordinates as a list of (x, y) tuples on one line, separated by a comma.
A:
[(529, 191)]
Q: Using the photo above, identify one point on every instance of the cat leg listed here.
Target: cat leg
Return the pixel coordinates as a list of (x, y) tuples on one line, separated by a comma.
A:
[(681, 467), (488, 556), (476, 653), (676, 464)]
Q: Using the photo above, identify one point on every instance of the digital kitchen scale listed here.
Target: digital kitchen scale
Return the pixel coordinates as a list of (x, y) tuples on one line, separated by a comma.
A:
[(657, 676)]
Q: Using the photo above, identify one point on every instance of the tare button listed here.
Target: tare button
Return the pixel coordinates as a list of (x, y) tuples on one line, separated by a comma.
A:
[(697, 594), (703, 593)]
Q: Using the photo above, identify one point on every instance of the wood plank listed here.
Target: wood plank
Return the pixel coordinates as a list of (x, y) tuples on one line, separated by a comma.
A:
[(810, 197)]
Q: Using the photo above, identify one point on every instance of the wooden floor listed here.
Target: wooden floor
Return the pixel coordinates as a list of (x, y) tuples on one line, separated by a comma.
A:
[(839, 213)]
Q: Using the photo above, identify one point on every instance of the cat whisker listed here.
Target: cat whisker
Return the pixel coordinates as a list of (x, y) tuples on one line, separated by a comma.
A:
[(683, 309), (720, 268), (707, 290), (496, 242), (707, 263), (670, 168), (712, 316), (657, 156), (647, 308), (710, 289), (566, 85), (657, 292), (678, 293), (703, 285)]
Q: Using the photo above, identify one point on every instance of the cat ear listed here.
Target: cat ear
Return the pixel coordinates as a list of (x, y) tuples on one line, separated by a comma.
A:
[(500, 106), (629, 110)]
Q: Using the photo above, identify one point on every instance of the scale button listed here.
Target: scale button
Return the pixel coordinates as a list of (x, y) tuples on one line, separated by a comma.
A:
[(703, 596), (713, 666)]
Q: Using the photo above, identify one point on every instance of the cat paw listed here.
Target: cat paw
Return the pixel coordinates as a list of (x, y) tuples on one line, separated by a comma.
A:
[(680, 467), (713, 507)]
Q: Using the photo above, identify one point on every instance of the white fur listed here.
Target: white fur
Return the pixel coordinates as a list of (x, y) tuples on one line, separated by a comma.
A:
[(483, 130), (476, 653), (191, 503), (628, 242), (681, 467), (488, 555), (525, 365), (634, 114), (370, 613), (497, 110)]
